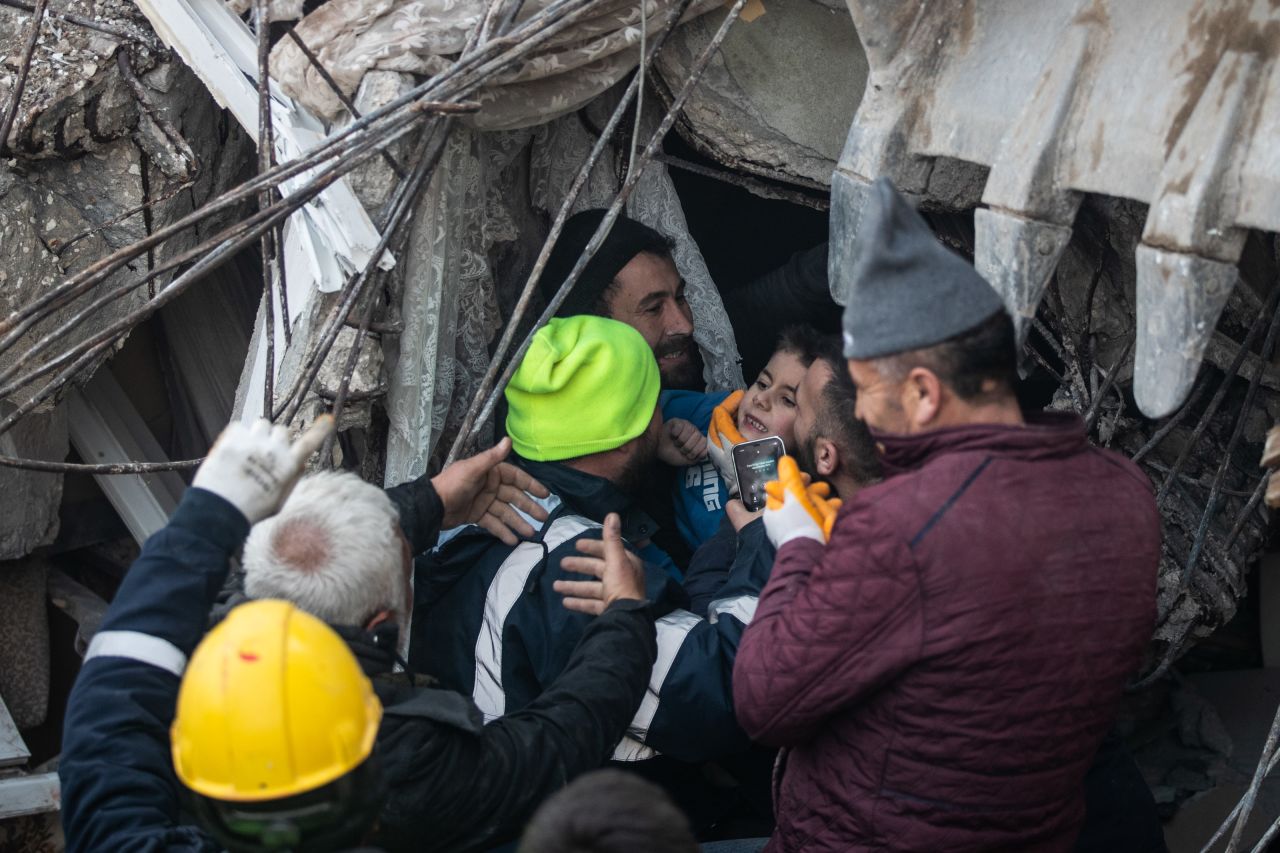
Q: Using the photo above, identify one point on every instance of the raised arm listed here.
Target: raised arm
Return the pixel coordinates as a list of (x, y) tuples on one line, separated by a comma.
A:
[(118, 787), (482, 490), (484, 788), (687, 712)]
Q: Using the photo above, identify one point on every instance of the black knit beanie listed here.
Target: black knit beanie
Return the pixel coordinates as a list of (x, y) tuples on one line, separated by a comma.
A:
[(626, 239)]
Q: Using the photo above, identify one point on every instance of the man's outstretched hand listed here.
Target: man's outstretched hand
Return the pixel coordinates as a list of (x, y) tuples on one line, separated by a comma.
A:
[(487, 491), (620, 573), (254, 467)]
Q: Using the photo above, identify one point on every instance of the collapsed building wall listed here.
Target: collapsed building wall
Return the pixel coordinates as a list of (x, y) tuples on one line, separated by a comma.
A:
[(98, 137)]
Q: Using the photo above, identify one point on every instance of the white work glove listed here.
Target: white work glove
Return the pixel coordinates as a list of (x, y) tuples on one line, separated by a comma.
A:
[(723, 460), (721, 438), (796, 508), (790, 521), (253, 467)]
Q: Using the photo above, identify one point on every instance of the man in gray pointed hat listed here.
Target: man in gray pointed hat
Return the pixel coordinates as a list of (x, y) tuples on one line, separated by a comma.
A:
[(943, 669)]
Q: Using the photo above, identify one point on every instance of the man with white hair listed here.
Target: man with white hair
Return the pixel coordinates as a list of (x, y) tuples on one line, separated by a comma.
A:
[(338, 550), (335, 549)]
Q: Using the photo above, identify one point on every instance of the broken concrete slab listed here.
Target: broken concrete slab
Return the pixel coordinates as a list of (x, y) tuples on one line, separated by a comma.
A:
[(754, 107), (37, 436), (24, 643)]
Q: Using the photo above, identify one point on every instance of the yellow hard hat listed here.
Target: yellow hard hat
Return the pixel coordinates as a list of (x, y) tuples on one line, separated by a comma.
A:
[(273, 704)]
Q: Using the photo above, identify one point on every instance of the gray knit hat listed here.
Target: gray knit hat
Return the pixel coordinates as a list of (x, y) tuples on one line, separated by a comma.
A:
[(907, 290)]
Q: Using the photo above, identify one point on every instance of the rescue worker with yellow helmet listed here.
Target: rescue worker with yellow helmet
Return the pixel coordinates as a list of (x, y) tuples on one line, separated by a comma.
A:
[(267, 732), (274, 733)]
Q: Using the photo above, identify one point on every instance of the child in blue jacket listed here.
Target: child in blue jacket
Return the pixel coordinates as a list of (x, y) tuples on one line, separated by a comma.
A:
[(700, 430)]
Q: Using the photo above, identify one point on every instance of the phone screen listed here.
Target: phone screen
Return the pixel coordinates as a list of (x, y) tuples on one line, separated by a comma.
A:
[(756, 463)]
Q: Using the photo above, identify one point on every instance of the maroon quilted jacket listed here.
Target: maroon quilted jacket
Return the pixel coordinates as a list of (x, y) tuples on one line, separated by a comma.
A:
[(943, 672)]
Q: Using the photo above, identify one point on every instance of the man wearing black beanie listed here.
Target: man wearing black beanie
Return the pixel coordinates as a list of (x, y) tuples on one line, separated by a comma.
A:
[(632, 279)]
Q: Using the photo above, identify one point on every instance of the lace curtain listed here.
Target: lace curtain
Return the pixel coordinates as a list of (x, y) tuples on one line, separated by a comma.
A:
[(481, 203)]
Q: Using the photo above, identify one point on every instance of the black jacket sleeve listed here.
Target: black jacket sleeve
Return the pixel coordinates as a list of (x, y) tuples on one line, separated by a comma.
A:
[(796, 292), (455, 790), (709, 569), (421, 512), (119, 791)]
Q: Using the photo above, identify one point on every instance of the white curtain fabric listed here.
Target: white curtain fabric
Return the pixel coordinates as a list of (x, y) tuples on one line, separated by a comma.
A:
[(423, 37), (478, 200)]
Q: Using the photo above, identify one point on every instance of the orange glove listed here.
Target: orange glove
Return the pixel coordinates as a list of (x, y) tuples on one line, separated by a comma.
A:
[(724, 422), (814, 498), (721, 438)]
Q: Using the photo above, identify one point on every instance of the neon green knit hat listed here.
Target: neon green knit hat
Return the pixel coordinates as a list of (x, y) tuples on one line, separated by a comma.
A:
[(586, 385)]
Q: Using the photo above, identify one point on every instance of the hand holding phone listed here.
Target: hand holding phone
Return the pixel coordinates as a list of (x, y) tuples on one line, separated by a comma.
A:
[(756, 463)]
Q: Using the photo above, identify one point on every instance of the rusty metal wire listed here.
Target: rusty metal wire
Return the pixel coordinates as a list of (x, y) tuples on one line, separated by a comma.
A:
[(755, 186), (1268, 310), (44, 467), (24, 69), (1197, 391), (1250, 507), (444, 94), (266, 159), (337, 91), (89, 24), (343, 151), (603, 138), (1092, 415), (1244, 809), (61, 248), (466, 438), (427, 157), (176, 139), (1211, 506)]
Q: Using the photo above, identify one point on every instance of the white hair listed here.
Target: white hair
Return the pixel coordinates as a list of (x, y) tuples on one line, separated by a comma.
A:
[(332, 550)]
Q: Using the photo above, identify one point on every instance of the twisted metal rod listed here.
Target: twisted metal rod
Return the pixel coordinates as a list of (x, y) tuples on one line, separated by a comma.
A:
[(1251, 795), (557, 226), (1259, 491), (97, 345), (331, 159), (383, 125), (1270, 308), (342, 96), (24, 69), (176, 139), (99, 468), (1222, 830), (597, 239), (1211, 506), (348, 297), (427, 158), (266, 159)]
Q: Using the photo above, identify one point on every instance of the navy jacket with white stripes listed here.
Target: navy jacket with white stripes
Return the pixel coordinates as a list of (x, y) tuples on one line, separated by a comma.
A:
[(488, 623), (119, 791)]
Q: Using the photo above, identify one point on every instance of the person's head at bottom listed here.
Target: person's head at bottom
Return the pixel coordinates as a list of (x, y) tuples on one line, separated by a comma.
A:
[(609, 811), (274, 732)]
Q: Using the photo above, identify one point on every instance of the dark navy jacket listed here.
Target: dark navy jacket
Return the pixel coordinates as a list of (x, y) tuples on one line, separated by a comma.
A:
[(119, 791), (489, 624), (452, 784)]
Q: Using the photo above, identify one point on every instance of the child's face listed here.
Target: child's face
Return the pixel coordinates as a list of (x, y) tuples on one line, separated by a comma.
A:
[(769, 406)]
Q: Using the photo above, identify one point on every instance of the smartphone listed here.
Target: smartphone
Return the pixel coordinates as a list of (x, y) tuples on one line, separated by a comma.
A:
[(756, 463)]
